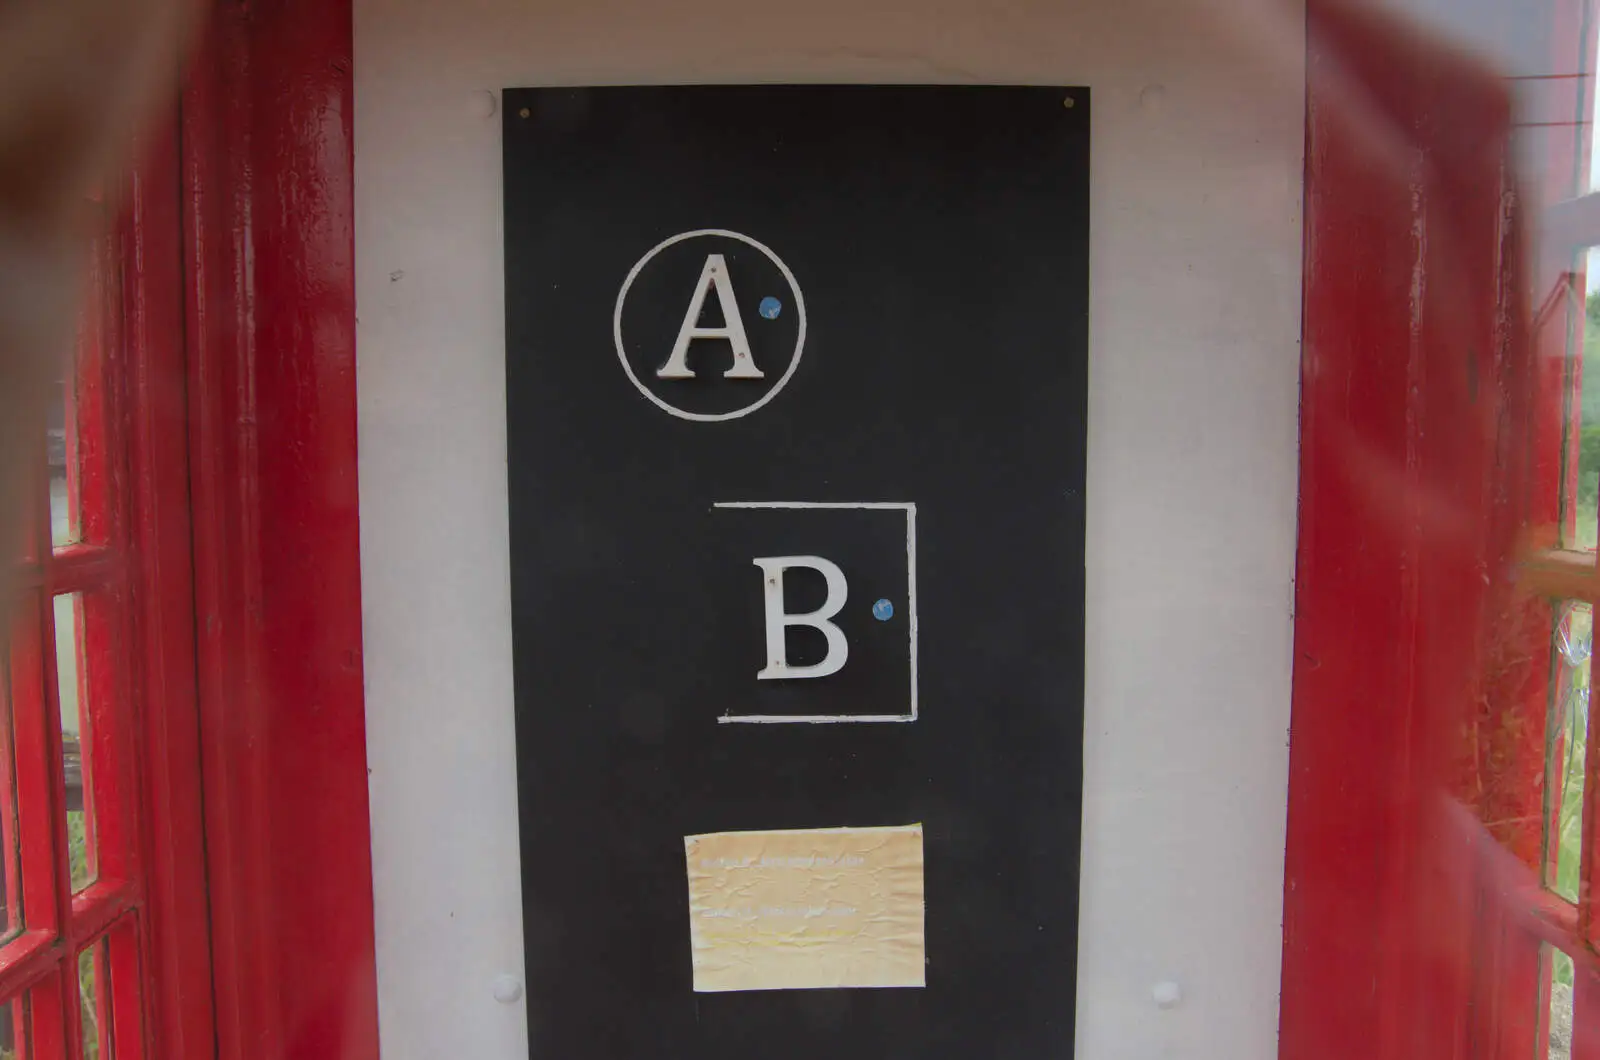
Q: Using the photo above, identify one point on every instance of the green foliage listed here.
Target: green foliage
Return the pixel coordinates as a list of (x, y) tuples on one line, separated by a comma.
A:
[(78, 862), (1589, 426), (1588, 465), (78, 850), (1567, 740), (86, 1002), (1569, 833), (1591, 374)]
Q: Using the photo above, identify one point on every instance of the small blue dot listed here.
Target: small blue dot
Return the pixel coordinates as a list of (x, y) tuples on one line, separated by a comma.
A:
[(770, 307), (883, 610)]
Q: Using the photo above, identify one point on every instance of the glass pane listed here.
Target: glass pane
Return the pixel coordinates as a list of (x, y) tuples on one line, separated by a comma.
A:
[(28, 523), (14, 1016), (76, 424), (71, 685), (1585, 336), (1560, 1038), (64, 520), (94, 1000), (10, 848), (1589, 87), (1558, 133), (1564, 750)]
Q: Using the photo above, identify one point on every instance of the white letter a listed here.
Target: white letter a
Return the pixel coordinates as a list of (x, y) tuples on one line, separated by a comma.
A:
[(715, 274)]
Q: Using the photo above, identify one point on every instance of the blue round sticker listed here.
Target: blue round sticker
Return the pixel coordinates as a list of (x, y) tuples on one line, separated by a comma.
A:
[(770, 307), (883, 610)]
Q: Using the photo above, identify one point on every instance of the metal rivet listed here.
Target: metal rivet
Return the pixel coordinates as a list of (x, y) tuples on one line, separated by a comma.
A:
[(1069, 103), (525, 113)]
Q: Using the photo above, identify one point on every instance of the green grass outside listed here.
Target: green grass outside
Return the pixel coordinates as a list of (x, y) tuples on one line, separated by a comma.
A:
[(1589, 429)]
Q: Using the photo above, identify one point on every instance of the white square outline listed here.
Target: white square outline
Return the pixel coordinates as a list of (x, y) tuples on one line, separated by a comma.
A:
[(911, 607)]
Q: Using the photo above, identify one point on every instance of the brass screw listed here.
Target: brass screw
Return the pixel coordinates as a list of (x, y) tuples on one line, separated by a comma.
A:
[(526, 113)]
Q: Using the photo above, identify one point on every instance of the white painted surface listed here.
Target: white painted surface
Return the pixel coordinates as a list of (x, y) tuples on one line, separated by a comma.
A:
[(1195, 299)]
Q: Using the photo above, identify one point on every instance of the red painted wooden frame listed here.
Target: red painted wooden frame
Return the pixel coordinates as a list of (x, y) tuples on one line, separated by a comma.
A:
[(269, 250)]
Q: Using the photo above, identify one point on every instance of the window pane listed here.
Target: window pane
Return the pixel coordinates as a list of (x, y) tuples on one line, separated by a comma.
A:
[(14, 1016), (1564, 750), (94, 1001), (1560, 1037), (72, 685), (77, 422), (10, 848), (28, 520), (64, 520), (1589, 87), (1585, 340)]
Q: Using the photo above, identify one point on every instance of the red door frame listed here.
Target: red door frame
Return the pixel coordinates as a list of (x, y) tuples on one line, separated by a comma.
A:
[(1430, 443), (270, 324), (1378, 944), (1379, 941), (164, 653)]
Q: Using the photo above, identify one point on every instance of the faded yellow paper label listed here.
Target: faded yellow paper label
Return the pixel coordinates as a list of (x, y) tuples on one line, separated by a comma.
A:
[(806, 909)]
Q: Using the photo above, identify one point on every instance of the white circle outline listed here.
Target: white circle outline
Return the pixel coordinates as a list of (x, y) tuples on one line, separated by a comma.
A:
[(709, 417)]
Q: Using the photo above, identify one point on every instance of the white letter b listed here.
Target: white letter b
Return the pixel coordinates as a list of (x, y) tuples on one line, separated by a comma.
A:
[(779, 620)]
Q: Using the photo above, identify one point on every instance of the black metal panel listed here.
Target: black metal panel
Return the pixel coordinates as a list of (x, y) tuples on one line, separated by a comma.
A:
[(939, 238)]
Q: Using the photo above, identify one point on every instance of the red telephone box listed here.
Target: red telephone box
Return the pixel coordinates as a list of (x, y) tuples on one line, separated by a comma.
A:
[(183, 800)]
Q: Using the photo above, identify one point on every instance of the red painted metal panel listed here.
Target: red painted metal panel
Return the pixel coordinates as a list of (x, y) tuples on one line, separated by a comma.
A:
[(304, 243), (1415, 471), (87, 419), (234, 710), (48, 1022), (1586, 1016), (176, 959), (119, 973), (268, 175)]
